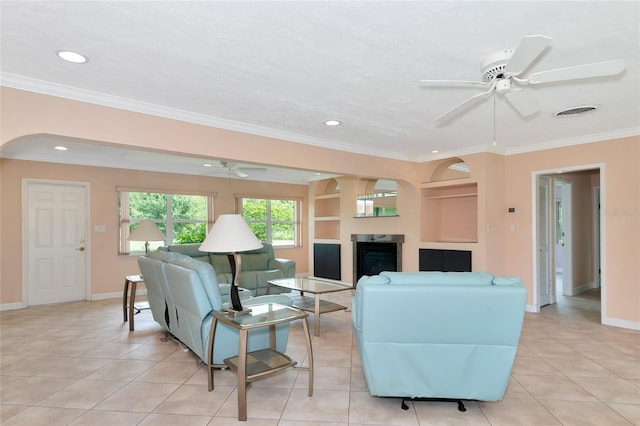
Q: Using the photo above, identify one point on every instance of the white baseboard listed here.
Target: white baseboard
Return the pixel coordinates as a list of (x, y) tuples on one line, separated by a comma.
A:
[(531, 308), (115, 295), (631, 325), (11, 306), (577, 290)]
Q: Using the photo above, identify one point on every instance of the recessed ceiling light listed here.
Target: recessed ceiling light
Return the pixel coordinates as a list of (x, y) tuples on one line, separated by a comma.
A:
[(71, 56), (435, 151), (60, 148), (207, 165), (332, 123)]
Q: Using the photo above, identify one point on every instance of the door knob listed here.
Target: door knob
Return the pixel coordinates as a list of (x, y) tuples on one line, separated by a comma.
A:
[(80, 249)]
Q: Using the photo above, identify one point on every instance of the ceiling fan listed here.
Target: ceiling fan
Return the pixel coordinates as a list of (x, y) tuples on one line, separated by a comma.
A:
[(502, 74), (240, 171)]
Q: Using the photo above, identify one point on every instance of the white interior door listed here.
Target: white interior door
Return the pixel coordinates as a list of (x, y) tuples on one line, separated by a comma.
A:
[(567, 248), (596, 234), (56, 236), (545, 270)]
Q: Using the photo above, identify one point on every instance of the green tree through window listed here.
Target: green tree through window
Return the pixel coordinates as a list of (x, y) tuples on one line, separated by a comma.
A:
[(182, 218), (273, 221)]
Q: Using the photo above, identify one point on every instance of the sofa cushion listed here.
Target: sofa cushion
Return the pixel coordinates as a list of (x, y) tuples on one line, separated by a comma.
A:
[(207, 278), (255, 261), (164, 256), (191, 250), (220, 263), (426, 278)]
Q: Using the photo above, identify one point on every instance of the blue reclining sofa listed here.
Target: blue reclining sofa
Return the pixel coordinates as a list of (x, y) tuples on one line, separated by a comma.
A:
[(258, 266), (182, 293), (438, 335)]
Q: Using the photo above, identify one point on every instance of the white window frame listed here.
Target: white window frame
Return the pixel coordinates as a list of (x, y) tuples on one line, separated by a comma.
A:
[(124, 219), (297, 220)]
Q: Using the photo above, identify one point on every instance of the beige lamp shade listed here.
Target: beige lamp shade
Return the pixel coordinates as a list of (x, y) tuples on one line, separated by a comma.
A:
[(146, 231), (230, 234)]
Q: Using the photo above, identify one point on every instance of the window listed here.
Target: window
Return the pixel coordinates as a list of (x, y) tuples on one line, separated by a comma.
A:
[(182, 218), (273, 221)]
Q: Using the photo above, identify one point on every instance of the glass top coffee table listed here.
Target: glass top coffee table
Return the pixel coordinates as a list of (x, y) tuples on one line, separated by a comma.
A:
[(317, 287)]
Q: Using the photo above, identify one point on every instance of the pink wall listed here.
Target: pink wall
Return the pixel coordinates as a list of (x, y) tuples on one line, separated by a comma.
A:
[(107, 267), (502, 182), (620, 186)]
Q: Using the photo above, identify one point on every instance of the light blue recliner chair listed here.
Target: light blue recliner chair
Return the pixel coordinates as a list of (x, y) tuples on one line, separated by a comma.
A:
[(182, 294), (438, 335)]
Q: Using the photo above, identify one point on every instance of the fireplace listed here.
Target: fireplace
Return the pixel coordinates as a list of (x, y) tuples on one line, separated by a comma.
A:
[(374, 253)]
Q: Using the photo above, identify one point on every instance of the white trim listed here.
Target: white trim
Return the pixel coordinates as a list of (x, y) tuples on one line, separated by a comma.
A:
[(115, 295), (12, 306), (574, 291), (597, 213), (97, 98), (532, 308), (631, 325), (559, 143), (25, 232), (535, 307)]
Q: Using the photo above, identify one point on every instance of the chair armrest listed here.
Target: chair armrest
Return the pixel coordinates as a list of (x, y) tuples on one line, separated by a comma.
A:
[(287, 266)]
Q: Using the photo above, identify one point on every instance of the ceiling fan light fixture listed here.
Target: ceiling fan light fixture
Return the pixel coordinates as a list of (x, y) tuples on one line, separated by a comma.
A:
[(576, 110)]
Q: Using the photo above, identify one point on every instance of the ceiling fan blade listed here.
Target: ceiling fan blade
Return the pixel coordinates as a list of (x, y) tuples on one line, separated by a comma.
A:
[(239, 173), (252, 169), (455, 83), (598, 69), (472, 101), (522, 101), (527, 51)]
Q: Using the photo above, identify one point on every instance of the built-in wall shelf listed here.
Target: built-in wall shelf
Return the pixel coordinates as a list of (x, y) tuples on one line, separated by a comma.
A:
[(323, 218), (441, 197), (326, 241), (449, 211), (327, 196), (326, 216)]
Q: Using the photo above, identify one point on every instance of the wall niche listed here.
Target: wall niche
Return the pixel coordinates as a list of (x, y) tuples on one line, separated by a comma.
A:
[(450, 204), (380, 198)]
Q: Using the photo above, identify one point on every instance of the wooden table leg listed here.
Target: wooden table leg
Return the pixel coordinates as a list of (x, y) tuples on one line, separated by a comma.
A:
[(125, 295), (132, 300)]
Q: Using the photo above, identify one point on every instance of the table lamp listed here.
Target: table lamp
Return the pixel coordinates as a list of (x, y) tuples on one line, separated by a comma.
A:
[(146, 231), (230, 234)]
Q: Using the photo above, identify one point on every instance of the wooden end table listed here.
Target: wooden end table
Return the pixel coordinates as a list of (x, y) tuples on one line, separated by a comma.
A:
[(132, 281)]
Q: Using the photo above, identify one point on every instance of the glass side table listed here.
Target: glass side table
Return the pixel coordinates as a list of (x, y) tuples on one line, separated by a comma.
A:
[(262, 363), (317, 287)]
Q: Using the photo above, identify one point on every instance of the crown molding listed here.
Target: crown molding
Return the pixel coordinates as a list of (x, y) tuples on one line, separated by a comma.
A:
[(67, 92), (558, 143)]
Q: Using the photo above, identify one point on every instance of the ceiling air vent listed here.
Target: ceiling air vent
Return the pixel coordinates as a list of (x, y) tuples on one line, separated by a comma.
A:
[(576, 110)]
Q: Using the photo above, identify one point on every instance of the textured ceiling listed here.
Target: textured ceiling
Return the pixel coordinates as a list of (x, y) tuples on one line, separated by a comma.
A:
[(282, 68)]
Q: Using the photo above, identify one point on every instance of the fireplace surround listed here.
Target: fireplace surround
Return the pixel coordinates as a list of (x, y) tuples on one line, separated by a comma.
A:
[(374, 253)]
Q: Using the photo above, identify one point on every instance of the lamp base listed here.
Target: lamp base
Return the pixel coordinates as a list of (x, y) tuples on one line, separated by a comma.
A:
[(235, 314)]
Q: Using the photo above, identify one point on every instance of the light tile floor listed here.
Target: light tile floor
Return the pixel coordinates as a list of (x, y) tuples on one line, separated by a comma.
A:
[(77, 364)]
